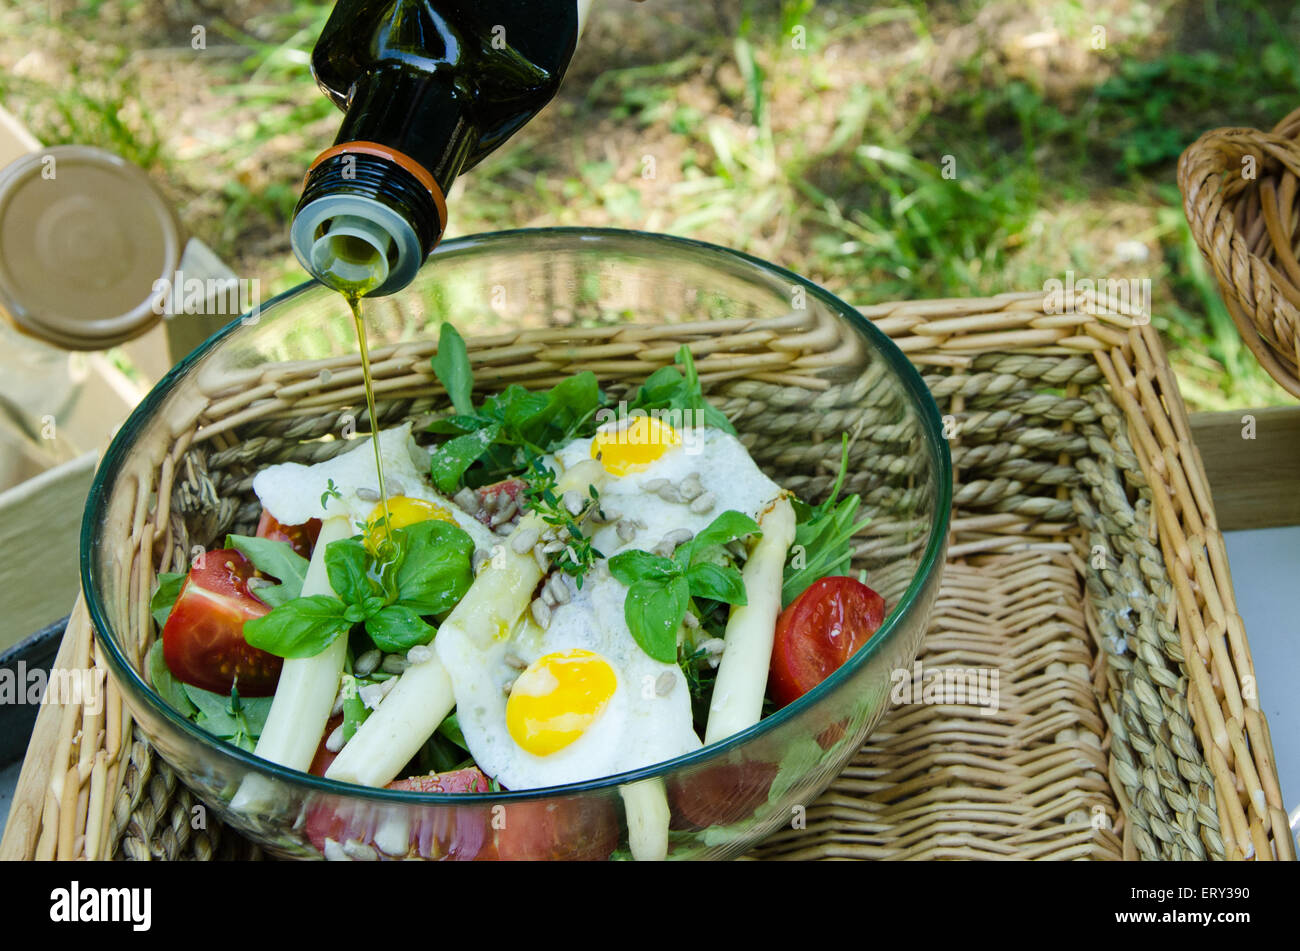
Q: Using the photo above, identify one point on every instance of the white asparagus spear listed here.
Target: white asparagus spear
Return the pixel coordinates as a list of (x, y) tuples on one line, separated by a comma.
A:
[(737, 701), (307, 687), (423, 695), (646, 805)]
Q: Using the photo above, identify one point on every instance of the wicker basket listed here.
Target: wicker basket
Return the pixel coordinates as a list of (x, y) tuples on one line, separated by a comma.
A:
[(1085, 566), (1240, 195)]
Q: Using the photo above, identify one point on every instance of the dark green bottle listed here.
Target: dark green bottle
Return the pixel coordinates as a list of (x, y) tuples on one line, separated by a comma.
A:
[(428, 88)]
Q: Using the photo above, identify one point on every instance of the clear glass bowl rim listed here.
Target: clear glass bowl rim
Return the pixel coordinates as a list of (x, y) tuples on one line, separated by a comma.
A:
[(133, 683)]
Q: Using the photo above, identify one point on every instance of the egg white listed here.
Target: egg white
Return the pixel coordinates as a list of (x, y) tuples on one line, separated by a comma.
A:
[(638, 726), (718, 458), (292, 492)]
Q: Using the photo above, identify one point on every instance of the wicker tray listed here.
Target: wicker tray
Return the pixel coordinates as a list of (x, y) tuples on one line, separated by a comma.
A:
[(1085, 566)]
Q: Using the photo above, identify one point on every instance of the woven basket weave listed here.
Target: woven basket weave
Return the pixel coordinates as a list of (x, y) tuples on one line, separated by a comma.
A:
[(1085, 566), (1240, 196)]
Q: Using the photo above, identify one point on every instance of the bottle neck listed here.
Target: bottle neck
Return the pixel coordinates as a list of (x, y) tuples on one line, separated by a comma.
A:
[(373, 205)]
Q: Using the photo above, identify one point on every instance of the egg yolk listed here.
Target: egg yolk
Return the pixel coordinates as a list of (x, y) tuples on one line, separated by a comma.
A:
[(557, 698), (634, 448), (403, 511)]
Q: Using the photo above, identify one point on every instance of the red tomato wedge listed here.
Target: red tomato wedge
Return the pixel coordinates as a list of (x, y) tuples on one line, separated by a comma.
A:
[(324, 758), (203, 639), (301, 537), (720, 795), (458, 780), (818, 632), (505, 489), (576, 830)]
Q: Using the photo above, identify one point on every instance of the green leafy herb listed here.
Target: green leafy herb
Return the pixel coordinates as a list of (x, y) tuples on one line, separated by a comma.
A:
[(354, 711), (823, 537), (673, 389), (331, 492), (494, 438), (660, 589), (451, 364), (237, 719), (430, 573), (166, 685), (169, 589), (578, 555), (277, 559)]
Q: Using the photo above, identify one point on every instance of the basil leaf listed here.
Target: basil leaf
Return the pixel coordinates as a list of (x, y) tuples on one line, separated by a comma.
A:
[(274, 595), (654, 611), (635, 565), (301, 628), (451, 365), (449, 461), (165, 685), (397, 628), (169, 589), (347, 564), (715, 582), (277, 559), (434, 572), (726, 527)]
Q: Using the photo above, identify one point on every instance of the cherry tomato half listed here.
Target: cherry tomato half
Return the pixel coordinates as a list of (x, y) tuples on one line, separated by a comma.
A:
[(203, 639), (818, 632), (301, 537)]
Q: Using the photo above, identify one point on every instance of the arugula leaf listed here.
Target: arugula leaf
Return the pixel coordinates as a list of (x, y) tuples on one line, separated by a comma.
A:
[(451, 365), (670, 388), (653, 611), (302, 627), (277, 559), (434, 572), (635, 565), (712, 581), (823, 539), (169, 589), (450, 728), (231, 717), (396, 629), (449, 461), (165, 684)]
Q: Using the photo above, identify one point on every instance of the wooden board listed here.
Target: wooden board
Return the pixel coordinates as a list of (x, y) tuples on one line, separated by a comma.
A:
[(1252, 459), (40, 527)]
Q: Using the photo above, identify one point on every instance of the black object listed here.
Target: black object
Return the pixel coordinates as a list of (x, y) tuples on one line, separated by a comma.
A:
[(17, 719)]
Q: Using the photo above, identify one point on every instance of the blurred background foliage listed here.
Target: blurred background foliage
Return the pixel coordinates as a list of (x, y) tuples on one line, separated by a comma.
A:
[(813, 134)]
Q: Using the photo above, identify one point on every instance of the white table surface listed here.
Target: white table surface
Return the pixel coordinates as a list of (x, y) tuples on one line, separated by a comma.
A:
[(1265, 567)]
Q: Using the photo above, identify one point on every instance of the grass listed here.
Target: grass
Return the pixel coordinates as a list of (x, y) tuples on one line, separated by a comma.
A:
[(912, 150)]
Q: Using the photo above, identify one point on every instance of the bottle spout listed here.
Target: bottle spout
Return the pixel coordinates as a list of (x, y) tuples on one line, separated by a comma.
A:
[(351, 254)]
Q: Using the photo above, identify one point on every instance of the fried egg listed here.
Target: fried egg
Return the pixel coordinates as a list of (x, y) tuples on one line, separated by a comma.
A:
[(577, 700), (348, 485), (665, 479)]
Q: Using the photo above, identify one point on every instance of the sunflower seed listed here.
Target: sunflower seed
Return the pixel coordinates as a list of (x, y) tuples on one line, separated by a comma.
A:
[(507, 687), (737, 548), (480, 557), (704, 503), (547, 596), (505, 513), (573, 555), (541, 612), (690, 487), (514, 660), (573, 501), (491, 502), (419, 654), (334, 742), (559, 590), (337, 709), (626, 531), (539, 556), (467, 499), (368, 495), (552, 547), (603, 516), (669, 493), (654, 485), (522, 542), (366, 663), (356, 849), (690, 620), (505, 529), (395, 487), (393, 664), (664, 683), (713, 649), (679, 536)]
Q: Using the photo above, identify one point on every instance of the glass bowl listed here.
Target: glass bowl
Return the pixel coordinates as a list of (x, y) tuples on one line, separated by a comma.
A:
[(793, 367)]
